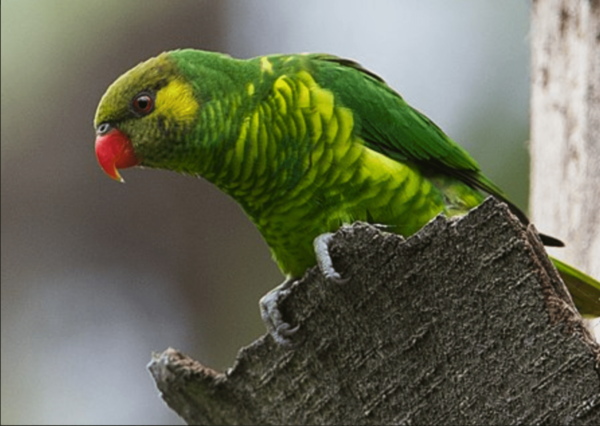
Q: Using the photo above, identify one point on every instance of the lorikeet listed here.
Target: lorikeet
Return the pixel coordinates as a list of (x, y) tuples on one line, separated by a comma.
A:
[(304, 143)]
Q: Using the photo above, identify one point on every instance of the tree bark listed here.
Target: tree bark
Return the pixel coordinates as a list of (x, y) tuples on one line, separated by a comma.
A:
[(565, 128), (466, 322)]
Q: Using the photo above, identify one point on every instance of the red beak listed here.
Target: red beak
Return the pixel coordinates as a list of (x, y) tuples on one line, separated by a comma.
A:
[(115, 151)]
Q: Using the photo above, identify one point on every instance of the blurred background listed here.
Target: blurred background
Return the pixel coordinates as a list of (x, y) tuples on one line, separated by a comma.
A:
[(96, 275)]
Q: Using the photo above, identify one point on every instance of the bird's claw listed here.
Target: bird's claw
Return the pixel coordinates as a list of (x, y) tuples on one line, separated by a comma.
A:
[(335, 277), (286, 330), (321, 245), (280, 330)]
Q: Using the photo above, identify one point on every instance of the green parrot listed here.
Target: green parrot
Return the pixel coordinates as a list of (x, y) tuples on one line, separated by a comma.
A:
[(305, 144)]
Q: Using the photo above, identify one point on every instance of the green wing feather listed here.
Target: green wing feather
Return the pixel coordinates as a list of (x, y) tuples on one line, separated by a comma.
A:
[(390, 126)]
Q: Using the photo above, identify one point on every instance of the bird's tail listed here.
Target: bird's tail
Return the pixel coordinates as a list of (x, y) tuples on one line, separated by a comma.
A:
[(584, 289)]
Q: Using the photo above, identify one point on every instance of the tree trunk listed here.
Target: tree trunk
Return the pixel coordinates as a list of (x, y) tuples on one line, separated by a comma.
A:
[(565, 128), (466, 322)]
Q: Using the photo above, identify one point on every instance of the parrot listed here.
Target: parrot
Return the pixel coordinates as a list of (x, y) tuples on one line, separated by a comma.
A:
[(305, 144)]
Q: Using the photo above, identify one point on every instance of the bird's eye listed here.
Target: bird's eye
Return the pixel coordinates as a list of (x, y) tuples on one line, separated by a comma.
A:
[(143, 104)]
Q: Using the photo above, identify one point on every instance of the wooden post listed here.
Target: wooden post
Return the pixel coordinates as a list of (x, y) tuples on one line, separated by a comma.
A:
[(565, 128)]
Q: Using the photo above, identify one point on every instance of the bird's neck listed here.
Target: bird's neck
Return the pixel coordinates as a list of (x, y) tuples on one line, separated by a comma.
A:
[(260, 154)]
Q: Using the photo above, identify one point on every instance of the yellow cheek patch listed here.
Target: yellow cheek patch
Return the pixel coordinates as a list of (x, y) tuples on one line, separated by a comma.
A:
[(176, 101)]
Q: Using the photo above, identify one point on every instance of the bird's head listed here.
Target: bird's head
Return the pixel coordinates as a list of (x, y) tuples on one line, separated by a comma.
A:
[(144, 117)]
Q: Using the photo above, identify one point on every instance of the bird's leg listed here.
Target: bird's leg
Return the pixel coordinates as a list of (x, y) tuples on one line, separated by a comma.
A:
[(280, 330), (321, 245)]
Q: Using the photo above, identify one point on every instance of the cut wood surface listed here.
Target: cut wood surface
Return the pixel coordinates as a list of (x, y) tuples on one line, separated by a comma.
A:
[(466, 322)]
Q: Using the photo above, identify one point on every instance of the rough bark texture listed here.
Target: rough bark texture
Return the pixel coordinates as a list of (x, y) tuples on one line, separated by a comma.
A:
[(466, 322), (565, 127)]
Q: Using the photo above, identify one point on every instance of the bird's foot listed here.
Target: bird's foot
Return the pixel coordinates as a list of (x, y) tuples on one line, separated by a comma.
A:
[(324, 261), (280, 330)]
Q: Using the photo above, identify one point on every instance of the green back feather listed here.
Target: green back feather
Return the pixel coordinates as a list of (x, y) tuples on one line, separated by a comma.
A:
[(390, 126)]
